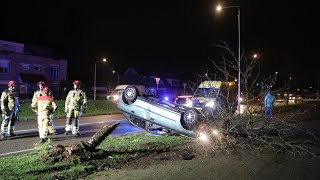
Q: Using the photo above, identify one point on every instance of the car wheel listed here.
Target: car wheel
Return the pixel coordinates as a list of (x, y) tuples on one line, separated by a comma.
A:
[(130, 93), (190, 117), (207, 112)]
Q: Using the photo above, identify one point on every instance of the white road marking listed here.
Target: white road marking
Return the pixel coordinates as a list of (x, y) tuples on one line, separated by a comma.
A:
[(84, 124), (15, 152)]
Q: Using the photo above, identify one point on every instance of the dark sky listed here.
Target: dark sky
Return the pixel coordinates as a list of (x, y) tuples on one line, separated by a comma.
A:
[(172, 35)]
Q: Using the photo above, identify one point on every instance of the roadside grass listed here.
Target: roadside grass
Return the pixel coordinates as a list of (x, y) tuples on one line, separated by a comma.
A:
[(293, 107), (97, 107), (32, 166), (121, 150), (301, 106)]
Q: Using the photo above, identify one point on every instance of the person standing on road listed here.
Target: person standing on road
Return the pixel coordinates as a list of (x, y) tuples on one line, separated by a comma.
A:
[(269, 103), (44, 106), (39, 93), (75, 105), (10, 108)]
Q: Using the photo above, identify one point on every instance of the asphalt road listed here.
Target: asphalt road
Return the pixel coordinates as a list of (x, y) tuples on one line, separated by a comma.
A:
[(27, 133)]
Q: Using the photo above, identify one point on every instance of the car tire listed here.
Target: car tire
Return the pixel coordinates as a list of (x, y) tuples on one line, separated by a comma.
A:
[(207, 112), (130, 94), (190, 117)]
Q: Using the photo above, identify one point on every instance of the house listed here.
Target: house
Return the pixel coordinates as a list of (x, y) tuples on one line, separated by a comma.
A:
[(27, 69)]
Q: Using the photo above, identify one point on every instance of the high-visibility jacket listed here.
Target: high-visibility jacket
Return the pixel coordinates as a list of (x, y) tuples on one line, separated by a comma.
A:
[(39, 92), (10, 100), (44, 105), (76, 100)]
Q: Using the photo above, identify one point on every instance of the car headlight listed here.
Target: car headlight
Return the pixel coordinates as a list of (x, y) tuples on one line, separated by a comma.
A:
[(210, 104), (108, 97), (189, 103), (115, 97), (203, 137)]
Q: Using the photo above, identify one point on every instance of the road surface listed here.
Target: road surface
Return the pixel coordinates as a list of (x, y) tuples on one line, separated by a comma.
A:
[(27, 133)]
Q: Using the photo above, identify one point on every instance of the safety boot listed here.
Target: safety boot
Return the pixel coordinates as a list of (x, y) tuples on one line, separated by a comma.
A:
[(12, 134), (76, 134), (43, 140), (3, 136)]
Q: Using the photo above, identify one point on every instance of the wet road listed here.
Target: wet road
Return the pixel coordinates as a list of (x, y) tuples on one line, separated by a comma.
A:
[(27, 134)]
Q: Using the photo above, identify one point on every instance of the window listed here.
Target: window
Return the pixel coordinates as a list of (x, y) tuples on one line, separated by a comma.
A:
[(37, 68), (4, 67), (25, 67), (54, 71)]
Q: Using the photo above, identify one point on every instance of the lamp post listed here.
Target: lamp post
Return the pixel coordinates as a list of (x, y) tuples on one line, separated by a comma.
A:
[(255, 56), (95, 78), (219, 8), (118, 76)]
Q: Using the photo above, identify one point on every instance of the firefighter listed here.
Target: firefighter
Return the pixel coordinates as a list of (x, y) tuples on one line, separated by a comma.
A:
[(38, 93), (44, 106), (10, 107), (75, 106)]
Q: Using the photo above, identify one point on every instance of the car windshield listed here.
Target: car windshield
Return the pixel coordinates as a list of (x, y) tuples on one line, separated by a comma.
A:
[(206, 92), (181, 100)]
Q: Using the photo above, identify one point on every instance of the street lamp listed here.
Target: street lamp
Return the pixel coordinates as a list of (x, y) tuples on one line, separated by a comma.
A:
[(255, 56), (219, 8), (118, 76), (95, 78)]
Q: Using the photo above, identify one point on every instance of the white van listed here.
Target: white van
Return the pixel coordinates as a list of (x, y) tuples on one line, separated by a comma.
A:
[(113, 96)]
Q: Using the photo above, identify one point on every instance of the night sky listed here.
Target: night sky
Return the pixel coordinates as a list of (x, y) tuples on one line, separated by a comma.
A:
[(167, 36)]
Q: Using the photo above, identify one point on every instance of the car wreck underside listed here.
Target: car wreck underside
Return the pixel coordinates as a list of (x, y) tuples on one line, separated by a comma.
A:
[(144, 110)]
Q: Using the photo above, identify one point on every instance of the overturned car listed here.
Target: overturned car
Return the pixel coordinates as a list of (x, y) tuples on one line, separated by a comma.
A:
[(144, 110)]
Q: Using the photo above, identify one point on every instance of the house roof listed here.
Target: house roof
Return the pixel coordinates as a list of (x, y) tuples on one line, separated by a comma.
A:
[(130, 71), (31, 78)]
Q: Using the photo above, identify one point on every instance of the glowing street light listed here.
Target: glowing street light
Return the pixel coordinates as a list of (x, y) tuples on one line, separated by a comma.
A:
[(113, 72), (95, 78), (255, 56), (219, 8)]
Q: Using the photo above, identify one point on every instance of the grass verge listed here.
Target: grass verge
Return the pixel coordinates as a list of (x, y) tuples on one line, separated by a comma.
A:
[(121, 149)]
